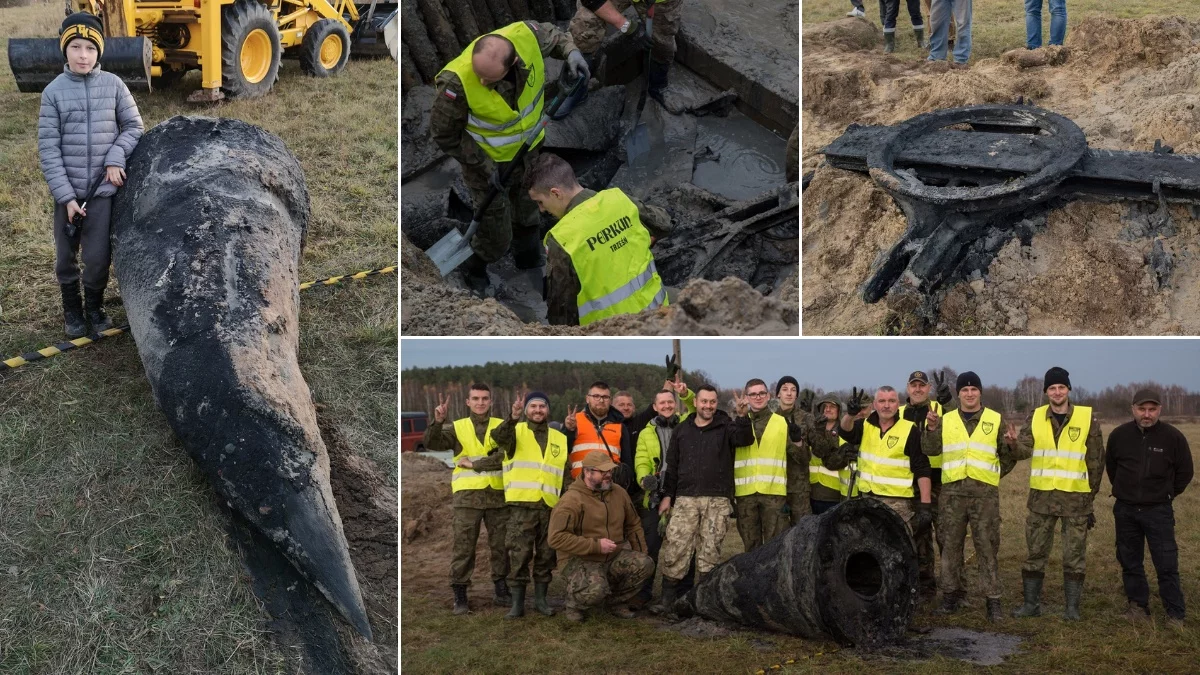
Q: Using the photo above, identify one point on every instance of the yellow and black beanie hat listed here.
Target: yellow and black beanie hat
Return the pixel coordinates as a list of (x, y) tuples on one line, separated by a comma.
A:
[(81, 25)]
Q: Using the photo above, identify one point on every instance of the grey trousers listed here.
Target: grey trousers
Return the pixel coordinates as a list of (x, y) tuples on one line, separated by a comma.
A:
[(92, 237)]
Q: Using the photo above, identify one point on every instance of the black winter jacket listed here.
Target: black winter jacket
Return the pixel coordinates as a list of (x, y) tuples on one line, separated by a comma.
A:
[(700, 459), (1147, 466)]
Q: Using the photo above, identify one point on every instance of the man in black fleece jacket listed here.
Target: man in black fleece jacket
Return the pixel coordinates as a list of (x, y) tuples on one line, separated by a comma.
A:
[(1149, 464), (698, 483)]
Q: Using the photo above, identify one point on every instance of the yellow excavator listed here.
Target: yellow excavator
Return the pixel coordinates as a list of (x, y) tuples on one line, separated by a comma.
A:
[(236, 44)]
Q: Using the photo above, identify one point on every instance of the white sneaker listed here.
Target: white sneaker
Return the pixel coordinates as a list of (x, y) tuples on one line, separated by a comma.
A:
[(856, 12)]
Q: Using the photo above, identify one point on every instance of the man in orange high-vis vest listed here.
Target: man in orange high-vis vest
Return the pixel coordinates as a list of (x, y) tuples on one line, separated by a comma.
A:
[(599, 426)]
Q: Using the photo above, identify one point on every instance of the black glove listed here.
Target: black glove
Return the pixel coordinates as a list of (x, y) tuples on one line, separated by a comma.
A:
[(623, 476), (943, 390), (1091, 521), (806, 399), (650, 483), (922, 520), (637, 33), (850, 452), (854, 404), (787, 509), (672, 366)]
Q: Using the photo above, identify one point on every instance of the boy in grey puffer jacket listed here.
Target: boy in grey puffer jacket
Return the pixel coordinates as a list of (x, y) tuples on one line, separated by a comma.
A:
[(87, 128)]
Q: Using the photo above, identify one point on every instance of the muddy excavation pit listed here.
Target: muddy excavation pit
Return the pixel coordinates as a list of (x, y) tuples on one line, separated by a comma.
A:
[(1104, 247), (716, 162)]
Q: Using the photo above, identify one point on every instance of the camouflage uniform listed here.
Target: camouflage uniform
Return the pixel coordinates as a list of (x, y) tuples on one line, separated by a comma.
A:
[(798, 456), (791, 164), (969, 501), (448, 126), (697, 525), (927, 560), (472, 507), (562, 283), (590, 583), (588, 30), (1046, 507), (528, 522)]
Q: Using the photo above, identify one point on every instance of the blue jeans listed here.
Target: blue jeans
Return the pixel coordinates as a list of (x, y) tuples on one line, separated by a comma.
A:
[(1033, 22), (940, 14)]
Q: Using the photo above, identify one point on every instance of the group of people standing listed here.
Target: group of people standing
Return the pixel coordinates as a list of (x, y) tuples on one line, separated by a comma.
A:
[(623, 492), (950, 25)]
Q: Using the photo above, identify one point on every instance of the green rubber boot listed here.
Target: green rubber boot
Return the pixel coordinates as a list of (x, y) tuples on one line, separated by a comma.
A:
[(539, 599), (1073, 591), (1033, 597), (518, 602)]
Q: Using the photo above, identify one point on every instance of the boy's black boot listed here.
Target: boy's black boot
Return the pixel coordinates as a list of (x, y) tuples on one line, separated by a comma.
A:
[(73, 323), (94, 301)]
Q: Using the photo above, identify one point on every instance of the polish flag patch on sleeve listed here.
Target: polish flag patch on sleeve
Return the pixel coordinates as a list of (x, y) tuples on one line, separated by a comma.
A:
[(533, 25), (449, 94)]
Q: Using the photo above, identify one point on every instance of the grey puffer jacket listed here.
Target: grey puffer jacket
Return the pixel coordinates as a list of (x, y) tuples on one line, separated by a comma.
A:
[(87, 122)]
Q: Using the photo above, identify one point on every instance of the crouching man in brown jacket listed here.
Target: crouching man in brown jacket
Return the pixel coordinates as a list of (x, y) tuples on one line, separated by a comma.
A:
[(595, 524)]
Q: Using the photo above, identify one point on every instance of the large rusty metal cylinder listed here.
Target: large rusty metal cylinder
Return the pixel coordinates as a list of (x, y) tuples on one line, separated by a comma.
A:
[(849, 573)]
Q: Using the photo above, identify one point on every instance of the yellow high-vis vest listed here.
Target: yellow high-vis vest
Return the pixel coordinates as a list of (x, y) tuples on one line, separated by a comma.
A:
[(497, 128), (469, 479), (530, 475), (883, 468), (1061, 464), (934, 462), (818, 474), (610, 251), (762, 468), (971, 455)]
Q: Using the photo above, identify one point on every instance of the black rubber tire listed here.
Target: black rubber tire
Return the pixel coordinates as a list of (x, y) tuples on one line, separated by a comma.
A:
[(310, 48), (237, 22)]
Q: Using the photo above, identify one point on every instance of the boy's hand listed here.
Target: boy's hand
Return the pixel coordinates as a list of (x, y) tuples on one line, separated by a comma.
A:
[(74, 209), (116, 176)]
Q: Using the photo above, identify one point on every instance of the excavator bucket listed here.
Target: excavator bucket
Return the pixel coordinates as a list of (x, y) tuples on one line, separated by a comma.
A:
[(35, 62)]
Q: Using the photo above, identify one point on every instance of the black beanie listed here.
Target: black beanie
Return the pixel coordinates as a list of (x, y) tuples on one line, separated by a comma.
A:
[(968, 379), (81, 25), (786, 379), (537, 396), (1056, 375)]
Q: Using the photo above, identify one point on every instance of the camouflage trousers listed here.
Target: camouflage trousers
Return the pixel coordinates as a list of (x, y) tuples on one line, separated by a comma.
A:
[(466, 535), (512, 217), (526, 543), (590, 583), (759, 518), (698, 525), (791, 166), (955, 513), (587, 29), (798, 492), (927, 558), (1039, 537)]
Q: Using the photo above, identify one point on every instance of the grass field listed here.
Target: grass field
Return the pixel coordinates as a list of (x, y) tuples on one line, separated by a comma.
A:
[(436, 641), (112, 557), (999, 25)]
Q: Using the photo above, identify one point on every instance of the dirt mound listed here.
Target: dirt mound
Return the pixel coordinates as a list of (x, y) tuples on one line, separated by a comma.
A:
[(1108, 46), (846, 35), (1052, 55), (1126, 83)]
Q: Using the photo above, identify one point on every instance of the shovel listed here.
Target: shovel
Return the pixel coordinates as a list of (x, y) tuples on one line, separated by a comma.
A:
[(453, 249), (637, 143)]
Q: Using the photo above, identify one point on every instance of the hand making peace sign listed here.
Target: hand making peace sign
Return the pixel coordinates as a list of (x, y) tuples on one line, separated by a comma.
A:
[(570, 423), (741, 403), (439, 413)]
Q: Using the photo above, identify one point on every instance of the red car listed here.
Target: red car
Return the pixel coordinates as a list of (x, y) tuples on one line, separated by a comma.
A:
[(412, 431)]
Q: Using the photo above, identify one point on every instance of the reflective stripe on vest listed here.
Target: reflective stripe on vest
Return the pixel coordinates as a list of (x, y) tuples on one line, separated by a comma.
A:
[(934, 462), (530, 476), (762, 468), (971, 455), (610, 251), (469, 479), (883, 468), (496, 127), (1061, 464), (587, 439), (818, 474)]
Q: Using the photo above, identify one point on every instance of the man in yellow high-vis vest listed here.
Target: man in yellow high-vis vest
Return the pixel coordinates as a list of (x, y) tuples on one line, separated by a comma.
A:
[(891, 466), (486, 100), (1067, 448), (918, 405), (478, 497), (977, 447), (760, 469), (533, 457), (598, 259)]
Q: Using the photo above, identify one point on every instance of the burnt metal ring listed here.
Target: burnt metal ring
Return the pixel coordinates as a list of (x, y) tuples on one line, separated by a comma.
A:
[(1068, 141)]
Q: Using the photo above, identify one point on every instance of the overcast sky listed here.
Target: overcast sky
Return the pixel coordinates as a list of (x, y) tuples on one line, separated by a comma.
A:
[(833, 364)]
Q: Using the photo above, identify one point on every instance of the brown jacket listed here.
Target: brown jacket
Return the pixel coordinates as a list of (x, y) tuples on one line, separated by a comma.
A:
[(584, 516)]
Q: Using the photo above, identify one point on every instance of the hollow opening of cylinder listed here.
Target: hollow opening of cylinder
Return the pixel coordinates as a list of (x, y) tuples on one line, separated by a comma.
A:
[(864, 575)]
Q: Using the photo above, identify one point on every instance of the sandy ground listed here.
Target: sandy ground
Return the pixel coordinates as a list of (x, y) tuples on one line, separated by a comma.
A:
[(1126, 83)]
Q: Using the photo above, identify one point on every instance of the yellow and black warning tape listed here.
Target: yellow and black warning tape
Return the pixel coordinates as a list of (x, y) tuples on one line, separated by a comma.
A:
[(62, 347), (792, 662)]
